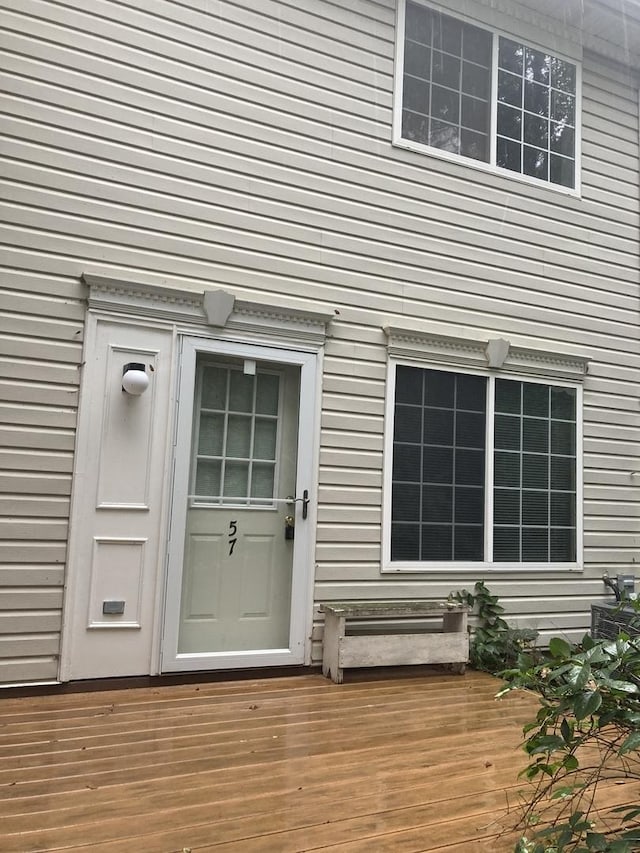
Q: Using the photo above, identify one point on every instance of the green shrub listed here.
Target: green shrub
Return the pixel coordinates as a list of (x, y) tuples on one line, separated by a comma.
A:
[(589, 697)]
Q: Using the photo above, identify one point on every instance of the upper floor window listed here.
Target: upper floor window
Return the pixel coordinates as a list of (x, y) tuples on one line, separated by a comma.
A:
[(469, 92)]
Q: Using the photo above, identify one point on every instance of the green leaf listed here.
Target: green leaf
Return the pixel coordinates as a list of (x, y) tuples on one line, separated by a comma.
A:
[(597, 654), (575, 819), (630, 813), (620, 847), (583, 676), (621, 686), (566, 731), (559, 648), (631, 743), (596, 841), (565, 836), (565, 792), (544, 743), (607, 717), (570, 763), (586, 704)]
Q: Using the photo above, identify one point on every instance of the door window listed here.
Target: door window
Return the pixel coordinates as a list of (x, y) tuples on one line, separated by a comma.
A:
[(236, 441)]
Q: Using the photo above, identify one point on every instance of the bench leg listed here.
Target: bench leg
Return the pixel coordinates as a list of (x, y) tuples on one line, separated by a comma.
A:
[(334, 628), (455, 622)]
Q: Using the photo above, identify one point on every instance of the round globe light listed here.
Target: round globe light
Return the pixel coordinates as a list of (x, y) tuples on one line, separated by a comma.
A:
[(135, 380)]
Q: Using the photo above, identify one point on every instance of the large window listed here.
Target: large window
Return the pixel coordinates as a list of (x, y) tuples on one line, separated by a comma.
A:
[(483, 470), (470, 92)]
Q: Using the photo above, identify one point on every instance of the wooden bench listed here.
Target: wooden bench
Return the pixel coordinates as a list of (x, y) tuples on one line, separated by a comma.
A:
[(381, 643)]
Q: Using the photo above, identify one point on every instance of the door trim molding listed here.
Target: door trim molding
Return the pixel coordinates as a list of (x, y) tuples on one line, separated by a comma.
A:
[(133, 305)]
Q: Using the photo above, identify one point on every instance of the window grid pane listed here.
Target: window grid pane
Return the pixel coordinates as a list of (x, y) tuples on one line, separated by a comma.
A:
[(438, 466), (237, 422), (446, 85), (534, 492), (536, 114)]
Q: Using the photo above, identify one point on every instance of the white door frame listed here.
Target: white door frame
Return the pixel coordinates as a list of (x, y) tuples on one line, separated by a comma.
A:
[(299, 651)]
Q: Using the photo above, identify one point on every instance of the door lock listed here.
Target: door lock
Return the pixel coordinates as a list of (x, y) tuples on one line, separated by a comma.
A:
[(289, 527)]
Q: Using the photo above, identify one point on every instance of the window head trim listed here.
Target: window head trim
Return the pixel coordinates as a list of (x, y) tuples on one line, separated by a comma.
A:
[(458, 351)]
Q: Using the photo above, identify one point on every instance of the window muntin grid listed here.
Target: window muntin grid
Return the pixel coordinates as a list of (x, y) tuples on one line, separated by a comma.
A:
[(236, 430), (447, 83), (448, 70), (438, 476), (535, 473), (536, 116)]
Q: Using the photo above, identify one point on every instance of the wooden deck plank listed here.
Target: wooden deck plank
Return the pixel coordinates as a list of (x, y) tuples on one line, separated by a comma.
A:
[(314, 700), (295, 815), (389, 761), (254, 737), (123, 728), (376, 772), (289, 812), (407, 748)]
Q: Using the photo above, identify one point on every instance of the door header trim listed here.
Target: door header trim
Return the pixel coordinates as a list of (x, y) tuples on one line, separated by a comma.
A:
[(191, 309)]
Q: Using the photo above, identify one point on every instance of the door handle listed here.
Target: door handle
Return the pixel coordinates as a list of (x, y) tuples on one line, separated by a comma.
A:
[(304, 500)]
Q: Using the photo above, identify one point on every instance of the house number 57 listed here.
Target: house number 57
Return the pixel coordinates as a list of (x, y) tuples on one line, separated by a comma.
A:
[(233, 538)]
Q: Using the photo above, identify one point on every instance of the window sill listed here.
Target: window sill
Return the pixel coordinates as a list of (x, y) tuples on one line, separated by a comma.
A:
[(471, 568), (487, 168)]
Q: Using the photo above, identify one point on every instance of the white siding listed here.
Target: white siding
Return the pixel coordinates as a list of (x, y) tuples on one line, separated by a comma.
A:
[(247, 145), (40, 350)]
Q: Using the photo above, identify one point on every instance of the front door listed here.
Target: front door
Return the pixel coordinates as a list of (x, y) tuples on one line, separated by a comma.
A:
[(239, 557)]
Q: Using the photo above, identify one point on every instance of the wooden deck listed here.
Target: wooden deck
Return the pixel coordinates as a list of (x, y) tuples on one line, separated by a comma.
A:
[(391, 761)]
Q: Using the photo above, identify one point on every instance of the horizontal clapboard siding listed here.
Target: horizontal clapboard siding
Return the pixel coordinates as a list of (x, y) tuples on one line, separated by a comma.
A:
[(249, 148), (40, 350)]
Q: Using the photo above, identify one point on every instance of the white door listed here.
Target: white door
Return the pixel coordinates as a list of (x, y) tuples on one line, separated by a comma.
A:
[(239, 556)]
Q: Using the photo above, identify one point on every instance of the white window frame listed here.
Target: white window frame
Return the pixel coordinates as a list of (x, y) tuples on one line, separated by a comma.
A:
[(400, 142), (434, 351)]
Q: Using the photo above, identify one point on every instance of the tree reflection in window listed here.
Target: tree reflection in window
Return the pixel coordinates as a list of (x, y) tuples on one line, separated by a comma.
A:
[(541, 127)]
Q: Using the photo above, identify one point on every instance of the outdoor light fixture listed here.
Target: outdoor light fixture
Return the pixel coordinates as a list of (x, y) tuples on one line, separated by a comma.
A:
[(135, 380)]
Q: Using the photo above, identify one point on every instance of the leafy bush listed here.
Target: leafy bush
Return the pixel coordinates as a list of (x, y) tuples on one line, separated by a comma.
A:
[(587, 730), (494, 646)]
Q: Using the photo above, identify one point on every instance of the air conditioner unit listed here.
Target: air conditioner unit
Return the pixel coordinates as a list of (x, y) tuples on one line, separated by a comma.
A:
[(607, 620)]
